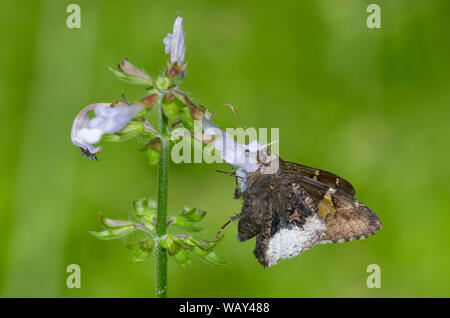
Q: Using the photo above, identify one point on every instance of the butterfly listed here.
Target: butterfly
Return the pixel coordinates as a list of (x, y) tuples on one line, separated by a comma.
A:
[(297, 207)]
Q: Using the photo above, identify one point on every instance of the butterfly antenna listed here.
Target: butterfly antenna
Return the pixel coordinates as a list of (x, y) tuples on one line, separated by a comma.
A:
[(235, 113), (228, 173), (234, 218)]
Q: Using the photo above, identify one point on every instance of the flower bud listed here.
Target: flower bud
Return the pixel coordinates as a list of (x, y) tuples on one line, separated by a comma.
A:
[(171, 106), (162, 83), (149, 101), (131, 74), (129, 69)]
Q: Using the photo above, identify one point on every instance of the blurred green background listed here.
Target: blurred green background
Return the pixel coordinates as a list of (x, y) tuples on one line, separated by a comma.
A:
[(371, 105)]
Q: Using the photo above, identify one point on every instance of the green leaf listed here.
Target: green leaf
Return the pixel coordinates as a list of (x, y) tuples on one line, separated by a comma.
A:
[(111, 138), (169, 244), (114, 233), (115, 223), (187, 219), (181, 99), (182, 257), (186, 118), (119, 138), (144, 139), (202, 244), (209, 257), (130, 131), (132, 127), (148, 244), (152, 156), (193, 214), (145, 206), (141, 251), (146, 212), (140, 255), (197, 246), (131, 79), (181, 241), (153, 150), (150, 90), (181, 222), (171, 109)]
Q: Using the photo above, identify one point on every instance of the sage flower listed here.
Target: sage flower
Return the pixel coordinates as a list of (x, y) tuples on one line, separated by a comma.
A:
[(247, 158), (239, 155), (108, 120), (174, 42)]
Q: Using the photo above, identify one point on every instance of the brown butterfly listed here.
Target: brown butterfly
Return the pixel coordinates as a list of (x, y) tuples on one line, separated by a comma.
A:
[(296, 207)]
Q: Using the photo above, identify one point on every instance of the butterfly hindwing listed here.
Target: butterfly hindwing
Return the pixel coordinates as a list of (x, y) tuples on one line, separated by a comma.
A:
[(345, 217), (292, 226)]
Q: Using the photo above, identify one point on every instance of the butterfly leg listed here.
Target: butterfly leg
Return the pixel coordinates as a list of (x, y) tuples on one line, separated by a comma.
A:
[(237, 190), (234, 218)]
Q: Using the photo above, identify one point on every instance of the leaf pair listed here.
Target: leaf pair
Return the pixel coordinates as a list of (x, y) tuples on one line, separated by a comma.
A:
[(145, 220), (187, 219), (114, 229), (180, 246), (141, 250), (146, 212)]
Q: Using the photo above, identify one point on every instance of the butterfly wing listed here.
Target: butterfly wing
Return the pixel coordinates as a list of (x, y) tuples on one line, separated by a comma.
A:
[(305, 212), (325, 177), (345, 217), (292, 225)]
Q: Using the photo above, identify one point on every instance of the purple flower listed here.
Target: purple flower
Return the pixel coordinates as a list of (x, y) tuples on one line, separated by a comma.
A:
[(108, 120), (175, 42)]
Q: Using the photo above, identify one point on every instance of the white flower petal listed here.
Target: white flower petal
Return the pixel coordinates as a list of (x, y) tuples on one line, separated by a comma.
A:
[(241, 156), (114, 119), (167, 43), (97, 122), (90, 135), (109, 120), (174, 43)]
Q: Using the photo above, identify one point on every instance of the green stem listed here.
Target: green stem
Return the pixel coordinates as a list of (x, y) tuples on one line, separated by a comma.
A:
[(161, 253)]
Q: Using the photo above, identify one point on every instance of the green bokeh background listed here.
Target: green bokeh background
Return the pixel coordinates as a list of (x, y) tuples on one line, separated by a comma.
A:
[(371, 105)]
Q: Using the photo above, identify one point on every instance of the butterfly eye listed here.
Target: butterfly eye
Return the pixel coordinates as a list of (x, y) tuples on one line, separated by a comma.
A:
[(262, 157)]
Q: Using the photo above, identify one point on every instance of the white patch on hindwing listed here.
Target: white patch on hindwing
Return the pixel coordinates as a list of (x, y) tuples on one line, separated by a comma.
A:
[(292, 240)]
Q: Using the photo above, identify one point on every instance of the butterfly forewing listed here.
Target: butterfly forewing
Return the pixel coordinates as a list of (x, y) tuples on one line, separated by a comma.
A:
[(326, 177)]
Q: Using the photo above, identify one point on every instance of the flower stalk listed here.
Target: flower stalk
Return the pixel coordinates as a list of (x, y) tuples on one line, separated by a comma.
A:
[(146, 229), (163, 177)]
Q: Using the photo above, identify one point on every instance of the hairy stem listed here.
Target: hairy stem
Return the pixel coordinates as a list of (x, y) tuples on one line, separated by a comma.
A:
[(161, 253)]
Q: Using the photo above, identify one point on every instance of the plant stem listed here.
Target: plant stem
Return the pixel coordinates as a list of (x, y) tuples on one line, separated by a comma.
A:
[(161, 253)]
